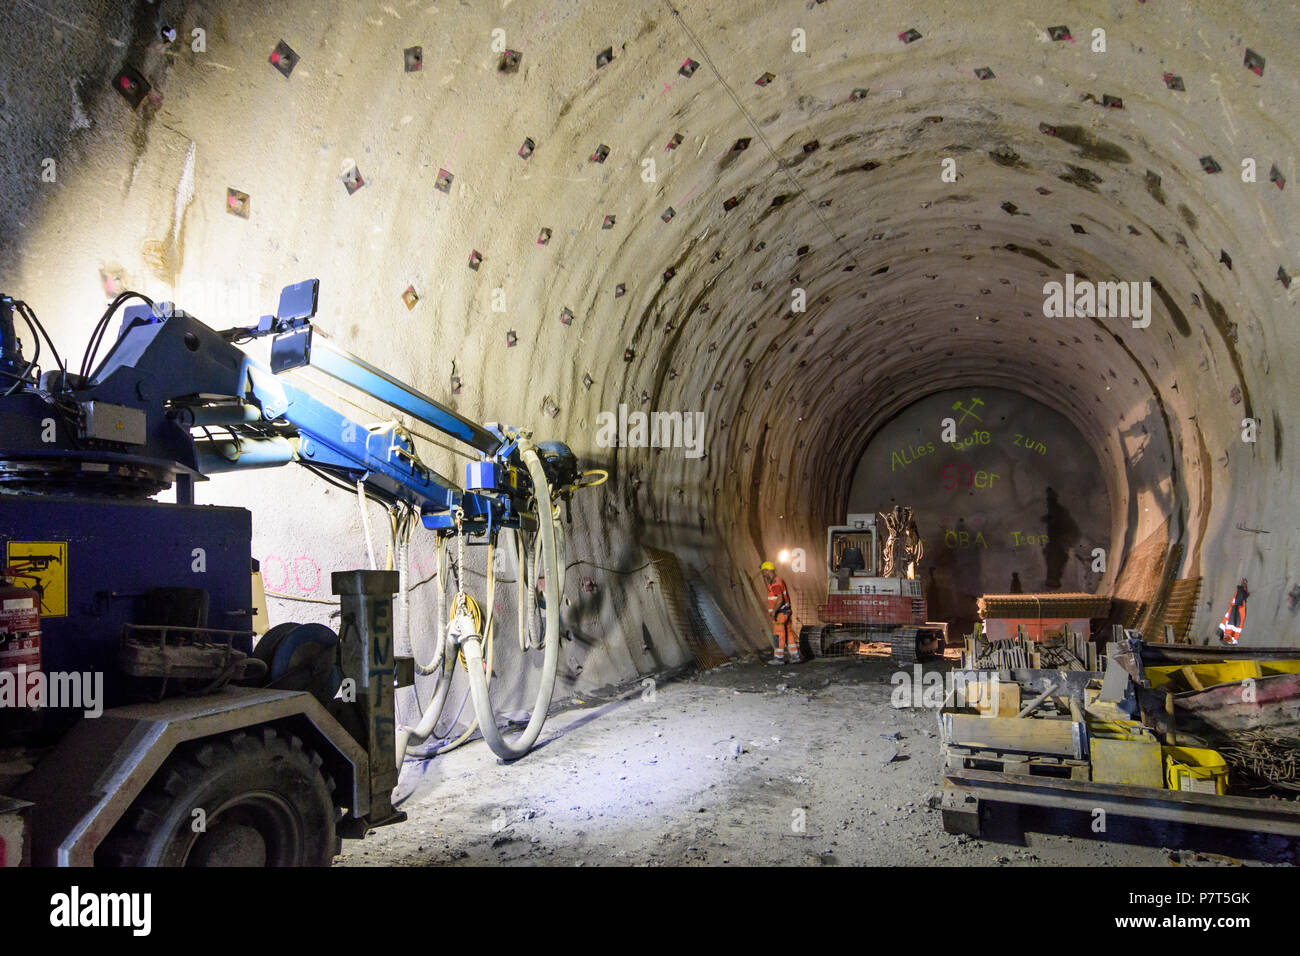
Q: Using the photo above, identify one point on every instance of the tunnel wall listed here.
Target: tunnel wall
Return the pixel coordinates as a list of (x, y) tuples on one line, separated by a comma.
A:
[(778, 169)]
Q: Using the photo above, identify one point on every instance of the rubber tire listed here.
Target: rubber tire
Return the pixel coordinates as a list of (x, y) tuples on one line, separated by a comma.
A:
[(232, 772), (314, 671)]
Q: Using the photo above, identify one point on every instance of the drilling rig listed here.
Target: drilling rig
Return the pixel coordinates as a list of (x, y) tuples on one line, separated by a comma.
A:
[(280, 748)]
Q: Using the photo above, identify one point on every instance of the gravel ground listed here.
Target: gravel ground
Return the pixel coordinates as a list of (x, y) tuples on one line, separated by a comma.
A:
[(744, 765)]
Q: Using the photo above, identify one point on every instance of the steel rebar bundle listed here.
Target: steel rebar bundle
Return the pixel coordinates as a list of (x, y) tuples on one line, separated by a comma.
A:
[(1265, 756)]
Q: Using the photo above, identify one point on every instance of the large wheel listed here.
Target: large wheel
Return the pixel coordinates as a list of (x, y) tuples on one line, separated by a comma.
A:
[(264, 800)]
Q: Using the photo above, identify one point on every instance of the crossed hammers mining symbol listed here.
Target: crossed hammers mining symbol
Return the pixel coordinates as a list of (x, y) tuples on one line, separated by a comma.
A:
[(957, 407)]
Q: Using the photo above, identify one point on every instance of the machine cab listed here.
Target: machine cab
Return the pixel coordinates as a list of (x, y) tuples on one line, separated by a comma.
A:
[(852, 554)]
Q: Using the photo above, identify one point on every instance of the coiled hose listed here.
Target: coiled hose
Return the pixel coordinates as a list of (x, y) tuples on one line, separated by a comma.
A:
[(447, 653), (472, 645)]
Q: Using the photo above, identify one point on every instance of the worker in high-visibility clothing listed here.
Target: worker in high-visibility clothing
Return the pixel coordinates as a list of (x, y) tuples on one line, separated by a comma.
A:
[(1235, 619), (778, 606)]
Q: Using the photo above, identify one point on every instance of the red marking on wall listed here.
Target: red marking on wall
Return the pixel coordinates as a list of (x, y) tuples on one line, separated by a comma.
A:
[(454, 144), (298, 574), (536, 23), (304, 571), (284, 569)]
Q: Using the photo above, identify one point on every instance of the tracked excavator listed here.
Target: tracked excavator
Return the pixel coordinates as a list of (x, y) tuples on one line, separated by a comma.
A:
[(874, 591)]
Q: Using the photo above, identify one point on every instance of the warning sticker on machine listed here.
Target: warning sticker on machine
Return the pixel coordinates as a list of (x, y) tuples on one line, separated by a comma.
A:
[(41, 566)]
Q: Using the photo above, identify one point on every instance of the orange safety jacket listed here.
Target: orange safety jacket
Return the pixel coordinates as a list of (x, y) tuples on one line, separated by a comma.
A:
[(1236, 616), (778, 598)]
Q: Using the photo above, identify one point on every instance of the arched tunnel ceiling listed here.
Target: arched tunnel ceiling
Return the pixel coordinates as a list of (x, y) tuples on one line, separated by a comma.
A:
[(691, 167)]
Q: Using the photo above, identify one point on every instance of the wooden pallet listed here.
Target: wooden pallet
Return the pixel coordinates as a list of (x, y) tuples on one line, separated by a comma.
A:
[(1041, 765)]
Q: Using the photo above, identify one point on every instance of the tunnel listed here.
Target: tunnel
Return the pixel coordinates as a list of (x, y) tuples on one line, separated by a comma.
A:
[(814, 232)]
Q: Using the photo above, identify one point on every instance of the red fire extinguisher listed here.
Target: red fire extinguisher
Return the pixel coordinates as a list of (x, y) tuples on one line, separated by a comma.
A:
[(20, 628)]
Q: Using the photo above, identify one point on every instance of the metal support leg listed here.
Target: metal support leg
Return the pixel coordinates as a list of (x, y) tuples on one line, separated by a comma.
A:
[(370, 662)]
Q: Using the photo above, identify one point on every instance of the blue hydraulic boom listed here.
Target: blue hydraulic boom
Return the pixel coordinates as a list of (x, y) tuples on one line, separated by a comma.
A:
[(157, 597)]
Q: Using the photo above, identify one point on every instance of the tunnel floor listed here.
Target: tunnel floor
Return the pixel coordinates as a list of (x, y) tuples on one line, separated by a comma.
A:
[(713, 769)]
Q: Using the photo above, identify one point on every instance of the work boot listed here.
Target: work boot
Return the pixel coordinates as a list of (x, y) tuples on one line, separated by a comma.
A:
[(795, 659), (777, 661)]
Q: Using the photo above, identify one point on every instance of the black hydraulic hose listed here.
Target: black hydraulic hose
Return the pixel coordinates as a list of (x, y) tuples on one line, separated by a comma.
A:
[(30, 315), (97, 335), (22, 379)]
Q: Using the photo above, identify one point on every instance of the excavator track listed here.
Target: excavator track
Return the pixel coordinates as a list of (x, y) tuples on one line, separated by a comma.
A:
[(810, 639), (902, 644)]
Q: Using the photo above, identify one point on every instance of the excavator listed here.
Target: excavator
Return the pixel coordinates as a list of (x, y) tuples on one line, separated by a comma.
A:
[(874, 591)]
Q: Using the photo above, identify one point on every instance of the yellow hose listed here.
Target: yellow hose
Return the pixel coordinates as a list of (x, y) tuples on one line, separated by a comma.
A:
[(476, 614), (592, 478)]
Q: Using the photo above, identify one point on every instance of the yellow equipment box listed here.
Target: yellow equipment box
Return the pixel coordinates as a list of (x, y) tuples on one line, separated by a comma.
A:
[(1123, 751), (1196, 769)]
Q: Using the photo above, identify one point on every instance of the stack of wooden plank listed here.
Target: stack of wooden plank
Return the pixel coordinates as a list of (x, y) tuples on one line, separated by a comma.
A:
[(1051, 605)]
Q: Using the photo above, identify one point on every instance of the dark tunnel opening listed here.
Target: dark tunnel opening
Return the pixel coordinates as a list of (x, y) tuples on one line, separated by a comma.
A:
[(1017, 494)]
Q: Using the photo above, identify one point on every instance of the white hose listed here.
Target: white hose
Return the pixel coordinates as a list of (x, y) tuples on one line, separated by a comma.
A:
[(524, 644), (444, 658), (539, 563), (472, 645), (404, 580), (491, 652), (440, 575), (365, 522), (561, 549), (521, 552)]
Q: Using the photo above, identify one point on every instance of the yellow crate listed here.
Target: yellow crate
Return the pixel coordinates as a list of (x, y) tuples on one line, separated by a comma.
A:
[(1123, 751), (1196, 769)]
